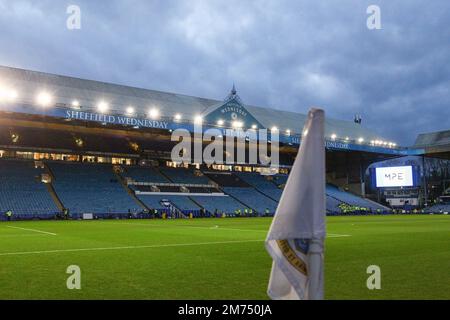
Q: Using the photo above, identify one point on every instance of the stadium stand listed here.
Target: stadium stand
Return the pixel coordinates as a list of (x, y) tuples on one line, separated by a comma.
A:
[(63, 140), (182, 175), (223, 204), (252, 198), (183, 203), (280, 179), (336, 199), (91, 188), (64, 132), (94, 188), (438, 208), (226, 179), (144, 174), (262, 184), (22, 191), (234, 185), (333, 205), (352, 200)]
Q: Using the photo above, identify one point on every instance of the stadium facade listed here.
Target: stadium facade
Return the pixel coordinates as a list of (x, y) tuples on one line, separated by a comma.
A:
[(89, 147)]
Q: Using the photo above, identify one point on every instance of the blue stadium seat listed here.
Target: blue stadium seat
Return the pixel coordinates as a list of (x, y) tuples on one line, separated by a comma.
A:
[(21, 190)]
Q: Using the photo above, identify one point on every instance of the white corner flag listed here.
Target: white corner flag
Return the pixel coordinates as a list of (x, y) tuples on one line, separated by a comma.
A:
[(296, 237)]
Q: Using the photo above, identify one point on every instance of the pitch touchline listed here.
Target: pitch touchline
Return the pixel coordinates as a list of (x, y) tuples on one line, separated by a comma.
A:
[(127, 247), (34, 230)]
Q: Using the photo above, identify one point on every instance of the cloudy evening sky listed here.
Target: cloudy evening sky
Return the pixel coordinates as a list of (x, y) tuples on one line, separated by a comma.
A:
[(282, 54)]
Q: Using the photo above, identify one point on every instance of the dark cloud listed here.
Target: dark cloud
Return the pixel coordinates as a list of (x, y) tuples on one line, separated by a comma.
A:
[(283, 54)]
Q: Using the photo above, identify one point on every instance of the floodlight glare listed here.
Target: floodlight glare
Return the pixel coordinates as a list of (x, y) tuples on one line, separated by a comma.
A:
[(7, 94), (102, 106), (12, 95), (44, 99), (237, 124), (198, 119), (153, 113), (129, 110)]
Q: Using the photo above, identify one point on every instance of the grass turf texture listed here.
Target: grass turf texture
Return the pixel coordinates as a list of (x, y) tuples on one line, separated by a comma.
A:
[(217, 258)]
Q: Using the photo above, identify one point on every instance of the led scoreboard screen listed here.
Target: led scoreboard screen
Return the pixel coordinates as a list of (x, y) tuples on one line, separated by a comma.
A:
[(394, 177)]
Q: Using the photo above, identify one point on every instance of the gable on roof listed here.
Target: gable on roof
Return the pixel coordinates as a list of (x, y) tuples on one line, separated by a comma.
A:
[(230, 110)]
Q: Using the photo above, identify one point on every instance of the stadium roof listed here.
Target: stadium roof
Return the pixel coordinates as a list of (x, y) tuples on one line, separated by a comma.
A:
[(436, 144), (88, 93), (433, 139)]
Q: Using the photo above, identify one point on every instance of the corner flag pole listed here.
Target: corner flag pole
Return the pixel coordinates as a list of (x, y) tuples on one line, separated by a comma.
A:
[(315, 290)]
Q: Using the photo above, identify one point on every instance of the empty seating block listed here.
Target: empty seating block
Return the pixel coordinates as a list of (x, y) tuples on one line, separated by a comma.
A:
[(224, 204), (182, 175), (180, 202), (262, 184), (144, 174), (227, 179), (21, 190), (280, 179), (91, 188), (333, 205), (253, 199)]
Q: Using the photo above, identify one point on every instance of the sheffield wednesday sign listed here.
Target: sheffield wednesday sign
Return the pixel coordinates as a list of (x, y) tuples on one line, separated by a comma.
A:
[(115, 119), (231, 110)]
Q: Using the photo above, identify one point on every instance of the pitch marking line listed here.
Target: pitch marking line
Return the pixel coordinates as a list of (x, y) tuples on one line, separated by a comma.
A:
[(336, 235), (127, 247), (216, 227), (138, 247), (33, 230), (21, 235)]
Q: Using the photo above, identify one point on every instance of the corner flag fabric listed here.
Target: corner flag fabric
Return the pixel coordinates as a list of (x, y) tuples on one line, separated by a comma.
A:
[(296, 236)]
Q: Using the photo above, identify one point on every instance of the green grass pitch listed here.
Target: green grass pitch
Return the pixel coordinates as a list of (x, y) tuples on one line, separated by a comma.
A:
[(217, 258)]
